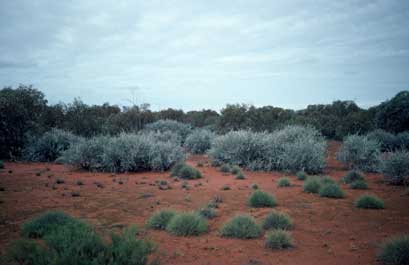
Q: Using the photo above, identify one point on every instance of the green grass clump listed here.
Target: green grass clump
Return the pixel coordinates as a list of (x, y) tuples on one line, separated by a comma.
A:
[(369, 202), (240, 175), (395, 251), (185, 171), (312, 185), (45, 224), (277, 220), (301, 175), (235, 170), (254, 186), (225, 168), (358, 185), (261, 199), (160, 219), (207, 212), (278, 239), (187, 224), (331, 190), (242, 226), (352, 176), (284, 182)]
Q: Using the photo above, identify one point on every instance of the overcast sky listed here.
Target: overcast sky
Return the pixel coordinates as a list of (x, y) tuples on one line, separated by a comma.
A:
[(204, 54)]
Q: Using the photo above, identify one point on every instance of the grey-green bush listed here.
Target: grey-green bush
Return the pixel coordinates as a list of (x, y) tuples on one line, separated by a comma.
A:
[(395, 251), (242, 226), (277, 220), (360, 152), (182, 129), (160, 219), (260, 199), (331, 190), (387, 140), (225, 168), (358, 185), (235, 170), (185, 171), (369, 202), (301, 175), (292, 148), (207, 212), (284, 182), (395, 167), (278, 239), (240, 175), (312, 184), (199, 141), (352, 176), (187, 224)]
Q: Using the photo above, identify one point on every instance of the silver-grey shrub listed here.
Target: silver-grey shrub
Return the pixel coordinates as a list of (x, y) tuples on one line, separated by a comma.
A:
[(395, 167), (292, 148), (50, 145), (360, 152), (182, 129), (124, 153), (199, 141)]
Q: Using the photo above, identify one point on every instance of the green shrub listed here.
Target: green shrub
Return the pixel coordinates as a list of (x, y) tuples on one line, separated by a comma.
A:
[(331, 190), (1, 164), (160, 219), (240, 175), (327, 180), (46, 223), (277, 220), (235, 170), (284, 182), (312, 185), (369, 202), (225, 168), (278, 239), (358, 185), (185, 171), (395, 251), (187, 224), (301, 175), (199, 141), (242, 226), (254, 186), (395, 168), (28, 252), (352, 176), (207, 212), (261, 199)]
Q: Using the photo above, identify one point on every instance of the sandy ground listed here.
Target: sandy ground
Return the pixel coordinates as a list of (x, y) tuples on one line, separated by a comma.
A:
[(327, 231)]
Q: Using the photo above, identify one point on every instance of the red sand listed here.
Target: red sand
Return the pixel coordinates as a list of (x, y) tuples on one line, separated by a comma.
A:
[(327, 231)]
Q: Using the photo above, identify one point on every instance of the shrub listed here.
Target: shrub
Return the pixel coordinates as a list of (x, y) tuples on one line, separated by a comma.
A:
[(292, 148), (395, 167), (403, 140), (327, 180), (49, 146), (261, 199), (1, 164), (387, 140), (225, 168), (331, 191), (395, 251), (45, 224), (27, 251), (301, 175), (207, 212), (242, 226), (240, 175), (284, 182), (182, 129), (278, 239), (187, 224), (277, 220), (185, 171), (160, 219), (360, 152), (358, 185), (312, 185), (369, 202), (235, 170), (352, 176), (254, 186), (199, 141)]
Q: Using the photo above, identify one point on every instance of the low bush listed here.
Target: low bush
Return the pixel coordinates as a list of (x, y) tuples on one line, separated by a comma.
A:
[(331, 190), (327, 180), (185, 171), (387, 140), (369, 202), (242, 226), (49, 146), (395, 251), (235, 170), (261, 199), (312, 185), (27, 251), (284, 182), (360, 152), (278, 239), (161, 126), (240, 175), (277, 220), (358, 185), (199, 141), (395, 167), (207, 212), (301, 175), (160, 219), (187, 224), (254, 186), (352, 176), (225, 168)]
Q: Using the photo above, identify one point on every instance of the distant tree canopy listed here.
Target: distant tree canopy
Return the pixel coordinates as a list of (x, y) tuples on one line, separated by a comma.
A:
[(24, 113)]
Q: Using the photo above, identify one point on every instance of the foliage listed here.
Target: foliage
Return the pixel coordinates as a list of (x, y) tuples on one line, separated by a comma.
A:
[(312, 184), (199, 141), (358, 185), (182, 129), (187, 224), (352, 176), (387, 140), (1, 164), (28, 252), (261, 199), (331, 190), (207, 212), (360, 152), (278, 239), (277, 220), (395, 167), (284, 182), (241, 226), (160, 219), (225, 168), (369, 202), (185, 171), (235, 170), (393, 114), (240, 175), (395, 251), (301, 175)]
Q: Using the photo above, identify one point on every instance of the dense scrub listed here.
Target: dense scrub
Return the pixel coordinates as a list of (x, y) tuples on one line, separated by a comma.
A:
[(199, 141), (181, 129), (292, 148), (395, 251), (395, 167)]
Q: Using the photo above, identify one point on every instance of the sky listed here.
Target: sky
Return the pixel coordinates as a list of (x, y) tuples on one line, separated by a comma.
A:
[(205, 54)]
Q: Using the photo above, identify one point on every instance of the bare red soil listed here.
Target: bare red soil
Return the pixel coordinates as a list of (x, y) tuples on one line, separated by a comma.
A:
[(327, 231)]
